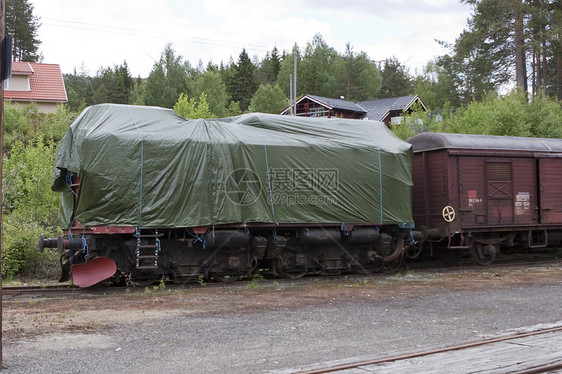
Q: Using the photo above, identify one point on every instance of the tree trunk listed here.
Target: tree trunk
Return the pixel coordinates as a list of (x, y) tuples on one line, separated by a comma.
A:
[(559, 73), (520, 65), (536, 71)]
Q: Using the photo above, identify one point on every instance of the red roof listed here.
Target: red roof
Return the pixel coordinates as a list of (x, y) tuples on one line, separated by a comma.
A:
[(45, 81), (21, 68)]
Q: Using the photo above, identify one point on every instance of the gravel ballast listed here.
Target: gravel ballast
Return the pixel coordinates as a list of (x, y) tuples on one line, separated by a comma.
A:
[(264, 326)]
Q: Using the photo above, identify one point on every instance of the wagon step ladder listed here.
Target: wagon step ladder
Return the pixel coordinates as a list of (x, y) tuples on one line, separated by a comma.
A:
[(147, 251)]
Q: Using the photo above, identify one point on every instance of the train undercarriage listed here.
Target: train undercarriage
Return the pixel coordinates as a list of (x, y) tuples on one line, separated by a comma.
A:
[(483, 246), (225, 254)]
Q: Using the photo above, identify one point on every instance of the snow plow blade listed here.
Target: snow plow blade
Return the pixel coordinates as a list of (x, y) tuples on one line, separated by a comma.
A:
[(92, 272)]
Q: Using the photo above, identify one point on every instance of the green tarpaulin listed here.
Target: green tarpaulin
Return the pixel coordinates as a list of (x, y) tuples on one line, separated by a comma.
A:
[(148, 167)]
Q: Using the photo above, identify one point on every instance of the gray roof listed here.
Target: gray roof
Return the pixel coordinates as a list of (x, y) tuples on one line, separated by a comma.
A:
[(337, 103), (377, 109), (429, 141)]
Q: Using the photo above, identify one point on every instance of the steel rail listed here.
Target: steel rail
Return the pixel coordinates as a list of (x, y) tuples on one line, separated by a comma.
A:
[(446, 349), (54, 290)]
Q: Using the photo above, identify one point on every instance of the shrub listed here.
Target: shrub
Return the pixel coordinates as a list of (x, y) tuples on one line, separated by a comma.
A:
[(29, 207)]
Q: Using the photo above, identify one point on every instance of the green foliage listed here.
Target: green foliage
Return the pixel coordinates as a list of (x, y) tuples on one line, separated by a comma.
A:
[(417, 121), (79, 89), (192, 109), (201, 280), (506, 115), (242, 84), (395, 79), (361, 79), (507, 42), (257, 278), (110, 85), (20, 256), (212, 85), (23, 25), (269, 68), (437, 87), (234, 109), (167, 80), (322, 69), (509, 115), (23, 123), (406, 130), (29, 208), (285, 71), (545, 114), (161, 286), (269, 99), (26, 189), (138, 91), (18, 123), (52, 126)]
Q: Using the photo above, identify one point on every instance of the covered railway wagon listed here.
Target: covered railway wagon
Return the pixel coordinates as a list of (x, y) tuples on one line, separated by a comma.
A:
[(147, 194), (486, 193)]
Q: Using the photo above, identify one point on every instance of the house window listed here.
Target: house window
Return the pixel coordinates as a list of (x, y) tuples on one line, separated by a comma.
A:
[(397, 120), (17, 83)]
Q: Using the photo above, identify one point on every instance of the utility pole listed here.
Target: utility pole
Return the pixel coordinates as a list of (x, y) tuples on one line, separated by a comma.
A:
[(291, 94), (294, 98), (2, 70)]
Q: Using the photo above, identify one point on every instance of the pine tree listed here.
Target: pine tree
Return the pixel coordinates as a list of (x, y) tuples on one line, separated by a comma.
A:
[(361, 79), (242, 85), (167, 80), (504, 39), (269, 68), (395, 79), (23, 25), (79, 88)]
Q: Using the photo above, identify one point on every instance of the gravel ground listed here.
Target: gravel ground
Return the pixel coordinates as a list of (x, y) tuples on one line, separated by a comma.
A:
[(260, 327)]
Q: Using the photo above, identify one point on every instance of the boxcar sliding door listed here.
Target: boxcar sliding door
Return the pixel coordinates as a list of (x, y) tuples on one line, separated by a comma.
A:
[(550, 179), (499, 191)]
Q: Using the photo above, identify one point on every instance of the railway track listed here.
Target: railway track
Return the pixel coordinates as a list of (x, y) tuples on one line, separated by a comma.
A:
[(377, 365), (410, 268), (53, 291)]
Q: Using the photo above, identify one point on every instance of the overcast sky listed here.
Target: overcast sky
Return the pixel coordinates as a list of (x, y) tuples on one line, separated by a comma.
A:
[(104, 33)]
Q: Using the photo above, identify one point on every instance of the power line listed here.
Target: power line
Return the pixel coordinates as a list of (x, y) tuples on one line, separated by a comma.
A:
[(143, 33)]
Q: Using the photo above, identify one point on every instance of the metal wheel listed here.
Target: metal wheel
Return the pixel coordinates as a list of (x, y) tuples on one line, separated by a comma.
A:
[(483, 255), (229, 274), (292, 265), (394, 265), (368, 263)]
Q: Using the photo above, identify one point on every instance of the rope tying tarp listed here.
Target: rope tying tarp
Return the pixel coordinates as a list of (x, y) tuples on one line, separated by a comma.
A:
[(269, 184), (141, 168)]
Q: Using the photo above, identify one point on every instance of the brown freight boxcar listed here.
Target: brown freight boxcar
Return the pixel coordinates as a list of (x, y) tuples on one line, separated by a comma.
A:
[(486, 193)]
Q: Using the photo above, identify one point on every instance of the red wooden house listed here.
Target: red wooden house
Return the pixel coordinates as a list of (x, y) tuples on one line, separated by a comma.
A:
[(389, 110)]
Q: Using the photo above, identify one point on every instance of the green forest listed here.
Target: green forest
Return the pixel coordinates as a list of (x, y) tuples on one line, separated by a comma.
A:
[(502, 75)]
